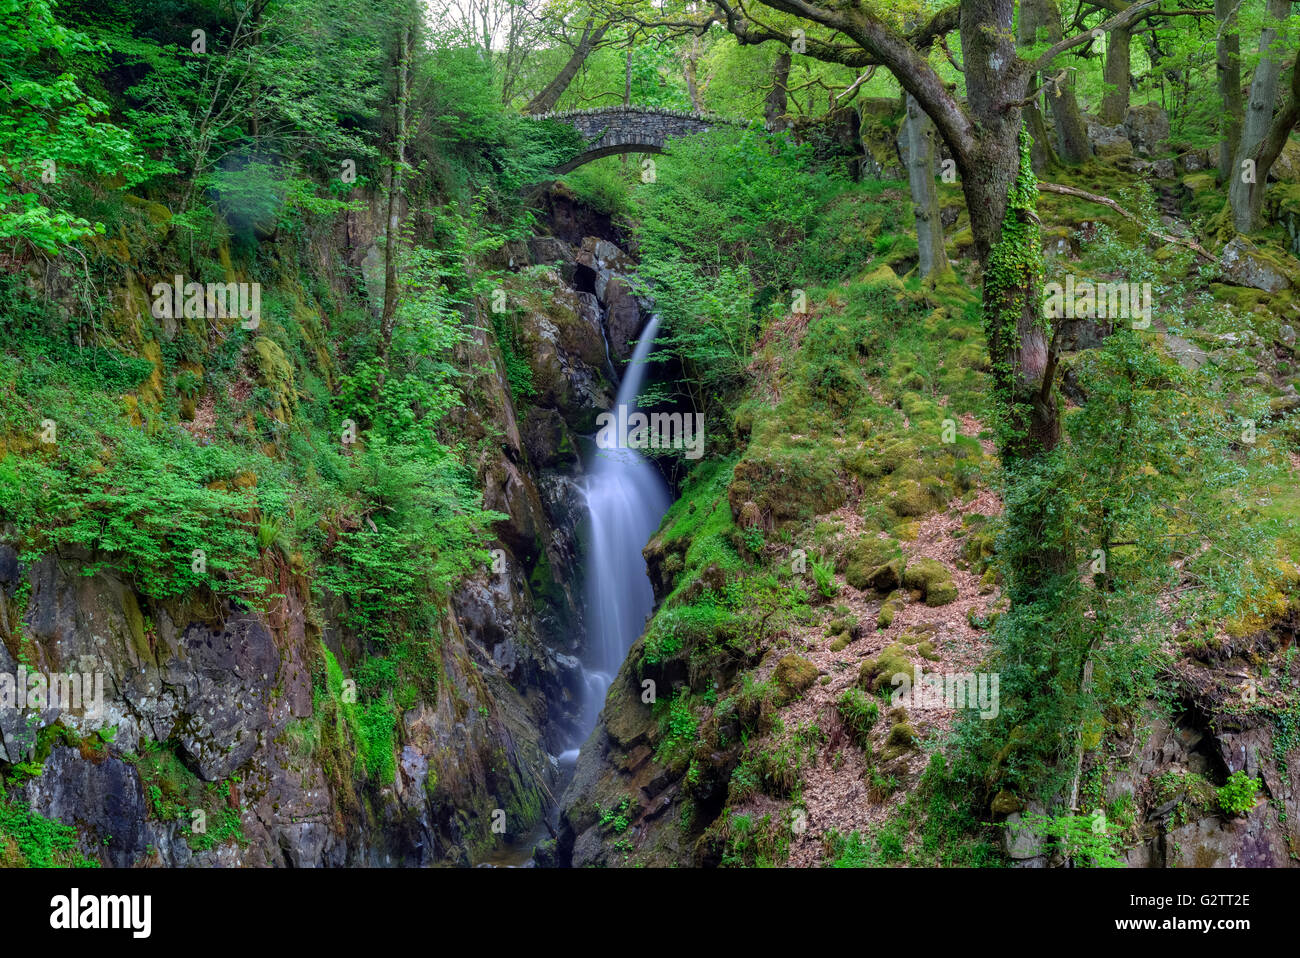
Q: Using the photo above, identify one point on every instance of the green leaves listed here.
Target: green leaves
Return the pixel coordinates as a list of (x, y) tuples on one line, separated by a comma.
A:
[(50, 131)]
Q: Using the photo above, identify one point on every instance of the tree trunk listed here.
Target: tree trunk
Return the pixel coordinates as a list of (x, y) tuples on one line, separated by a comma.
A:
[(1246, 182), (1117, 77), (627, 75), (775, 107), (1228, 67), (692, 85), (545, 101), (395, 179), (920, 135), (1042, 155), (1008, 246), (1071, 132)]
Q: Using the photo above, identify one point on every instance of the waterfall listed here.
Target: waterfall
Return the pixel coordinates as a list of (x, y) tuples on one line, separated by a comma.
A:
[(626, 499)]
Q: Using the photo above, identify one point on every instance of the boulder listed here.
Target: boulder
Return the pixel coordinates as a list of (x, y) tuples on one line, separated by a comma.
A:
[(932, 579), (880, 119), (1109, 141), (1146, 126), (103, 797), (1286, 168), (1245, 265), (1196, 161), (622, 318)]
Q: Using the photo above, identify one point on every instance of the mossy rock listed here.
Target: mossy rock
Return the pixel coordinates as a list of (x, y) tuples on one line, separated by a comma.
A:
[(926, 651), (840, 624), (978, 549), (786, 483), (875, 674), (275, 372), (794, 675), (873, 563), (883, 277), (1005, 803), (932, 579), (917, 634), (889, 609), (841, 641), (989, 581), (909, 499), (902, 739)]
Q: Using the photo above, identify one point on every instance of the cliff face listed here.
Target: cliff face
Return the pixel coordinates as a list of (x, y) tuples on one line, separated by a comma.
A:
[(232, 735)]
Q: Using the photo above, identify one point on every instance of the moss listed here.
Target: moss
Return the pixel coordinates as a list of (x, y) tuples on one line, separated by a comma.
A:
[(793, 676), (875, 674), (841, 641), (932, 579), (902, 739), (787, 482), (840, 624), (889, 609), (989, 581), (275, 372), (1005, 803), (883, 277), (978, 550), (909, 499), (873, 563)]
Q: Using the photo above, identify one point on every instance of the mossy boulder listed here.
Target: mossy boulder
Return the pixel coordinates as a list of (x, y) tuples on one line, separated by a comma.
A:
[(978, 549), (1005, 803), (883, 277), (889, 609), (932, 579), (794, 675), (875, 674), (988, 581), (909, 499), (275, 372), (786, 483), (873, 563)]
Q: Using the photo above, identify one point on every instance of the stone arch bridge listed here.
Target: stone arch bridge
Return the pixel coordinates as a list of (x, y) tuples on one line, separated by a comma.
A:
[(610, 130)]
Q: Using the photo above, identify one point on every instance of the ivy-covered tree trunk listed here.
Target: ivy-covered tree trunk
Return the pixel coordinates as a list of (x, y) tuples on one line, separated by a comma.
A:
[(1018, 340)]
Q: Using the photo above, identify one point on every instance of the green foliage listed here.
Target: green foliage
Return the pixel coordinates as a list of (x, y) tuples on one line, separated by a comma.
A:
[(858, 713), (1237, 795), (726, 232), (1090, 840), (371, 724), (175, 793), (30, 840), (51, 132), (824, 576)]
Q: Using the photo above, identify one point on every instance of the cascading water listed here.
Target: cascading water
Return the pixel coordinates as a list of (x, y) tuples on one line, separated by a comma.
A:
[(626, 499)]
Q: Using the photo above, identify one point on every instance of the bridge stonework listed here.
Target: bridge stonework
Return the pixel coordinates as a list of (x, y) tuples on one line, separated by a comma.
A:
[(611, 130)]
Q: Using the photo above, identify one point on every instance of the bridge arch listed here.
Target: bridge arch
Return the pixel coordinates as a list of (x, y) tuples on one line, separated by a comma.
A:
[(611, 130)]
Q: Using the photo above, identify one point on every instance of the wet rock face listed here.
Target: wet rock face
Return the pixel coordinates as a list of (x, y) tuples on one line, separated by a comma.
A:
[(104, 798)]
